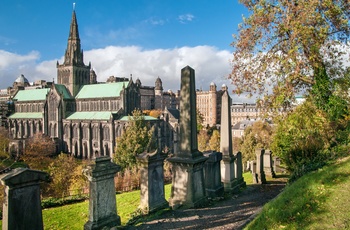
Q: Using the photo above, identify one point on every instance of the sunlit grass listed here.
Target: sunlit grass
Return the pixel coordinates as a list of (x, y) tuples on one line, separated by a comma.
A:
[(318, 200)]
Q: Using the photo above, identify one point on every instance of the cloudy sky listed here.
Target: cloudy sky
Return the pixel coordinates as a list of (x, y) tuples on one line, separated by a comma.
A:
[(145, 38)]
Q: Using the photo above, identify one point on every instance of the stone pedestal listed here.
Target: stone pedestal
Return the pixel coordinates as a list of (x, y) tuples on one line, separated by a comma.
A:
[(268, 166), (277, 165), (253, 171), (102, 201), (260, 166), (188, 187), (22, 204), (152, 181), (228, 177), (213, 185)]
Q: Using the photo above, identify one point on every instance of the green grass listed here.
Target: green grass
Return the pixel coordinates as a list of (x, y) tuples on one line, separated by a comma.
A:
[(318, 200)]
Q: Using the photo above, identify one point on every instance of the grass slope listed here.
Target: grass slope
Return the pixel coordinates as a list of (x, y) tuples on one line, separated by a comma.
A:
[(318, 200)]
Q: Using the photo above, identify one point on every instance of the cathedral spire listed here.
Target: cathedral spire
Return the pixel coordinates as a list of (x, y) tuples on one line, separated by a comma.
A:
[(74, 54)]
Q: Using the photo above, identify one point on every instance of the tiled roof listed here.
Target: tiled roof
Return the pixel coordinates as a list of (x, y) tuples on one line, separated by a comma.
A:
[(101, 90), (96, 115), (26, 116), (32, 95), (147, 118), (63, 90)]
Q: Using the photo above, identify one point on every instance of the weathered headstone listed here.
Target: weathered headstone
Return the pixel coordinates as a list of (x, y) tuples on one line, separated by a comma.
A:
[(277, 165), (102, 201), (22, 204), (213, 185), (254, 173), (260, 166), (268, 166), (239, 170), (188, 188), (152, 179), (227, 162)]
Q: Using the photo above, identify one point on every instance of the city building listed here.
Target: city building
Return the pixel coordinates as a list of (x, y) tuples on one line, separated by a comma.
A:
[(209, 104)]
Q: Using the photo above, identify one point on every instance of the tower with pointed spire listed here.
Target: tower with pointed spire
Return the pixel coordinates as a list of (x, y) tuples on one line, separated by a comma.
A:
[(73, 73)]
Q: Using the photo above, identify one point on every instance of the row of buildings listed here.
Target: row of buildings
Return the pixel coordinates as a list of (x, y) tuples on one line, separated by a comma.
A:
[(84, 116)]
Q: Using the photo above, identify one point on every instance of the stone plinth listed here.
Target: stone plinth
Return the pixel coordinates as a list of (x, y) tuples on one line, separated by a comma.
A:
[(277, 165), (188, 188), (102, 201), (260, 166), (22, 204), (239, 170), (268, 165), (152, 181), (213, 185)]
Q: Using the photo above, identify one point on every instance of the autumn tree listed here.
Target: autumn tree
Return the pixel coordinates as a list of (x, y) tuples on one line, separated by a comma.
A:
[(136, 138), (283, 44), (203, 140), (258, 135), (4, 143), (38, 150), (214, 141)]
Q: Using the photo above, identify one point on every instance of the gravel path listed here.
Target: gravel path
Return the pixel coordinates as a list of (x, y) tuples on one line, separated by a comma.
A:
[(234, 212)]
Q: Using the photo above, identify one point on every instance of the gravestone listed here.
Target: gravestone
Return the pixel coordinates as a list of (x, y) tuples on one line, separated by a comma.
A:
[(213, 185), (254, 173), (277, 165), (22, 204), (227, 163), (239, 170), (152, 179), (102, 200), (260, 166), (188, 188), (268, 165)]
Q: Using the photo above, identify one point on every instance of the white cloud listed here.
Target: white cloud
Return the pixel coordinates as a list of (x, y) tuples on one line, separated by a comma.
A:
[(209, 63), (185, 18)]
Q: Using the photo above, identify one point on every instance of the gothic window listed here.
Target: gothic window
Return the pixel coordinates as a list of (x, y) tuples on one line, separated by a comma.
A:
[(75, 131), (106, 133)]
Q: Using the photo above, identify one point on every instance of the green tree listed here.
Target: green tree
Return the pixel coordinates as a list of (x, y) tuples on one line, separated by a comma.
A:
[(214, 142), (302, 136), (200, 120), (282, 44), (136, 138)]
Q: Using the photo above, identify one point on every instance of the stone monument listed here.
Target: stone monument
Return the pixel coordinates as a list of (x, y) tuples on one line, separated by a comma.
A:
[(102, 201), (260, 166), (227, 162), (152, 179), (188, 188), (22, 204), (239, 170), (268, 165), (213, 185)]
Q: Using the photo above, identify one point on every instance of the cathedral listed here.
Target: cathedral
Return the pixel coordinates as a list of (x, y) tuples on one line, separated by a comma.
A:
[(82, 116)]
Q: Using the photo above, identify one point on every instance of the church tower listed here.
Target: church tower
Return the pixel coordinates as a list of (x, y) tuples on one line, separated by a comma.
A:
[(73, 73)]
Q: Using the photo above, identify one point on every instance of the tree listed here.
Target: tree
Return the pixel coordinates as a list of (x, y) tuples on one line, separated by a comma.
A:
[(200, 120), (283, 43), (302, 136), (66, 174), (136, 138), (214, 141), (203, 140), (38, 151), (259, 135), (4, 143)]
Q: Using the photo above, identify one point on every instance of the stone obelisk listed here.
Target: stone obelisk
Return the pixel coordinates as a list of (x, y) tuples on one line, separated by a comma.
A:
[(188, 188), (227, 162)]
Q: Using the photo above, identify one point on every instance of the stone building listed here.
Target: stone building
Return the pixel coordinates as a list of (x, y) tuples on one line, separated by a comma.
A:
[(82, 116), (209, 104)]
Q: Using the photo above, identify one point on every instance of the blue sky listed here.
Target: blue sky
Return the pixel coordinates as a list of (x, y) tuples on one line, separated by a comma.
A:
[(145, 38)]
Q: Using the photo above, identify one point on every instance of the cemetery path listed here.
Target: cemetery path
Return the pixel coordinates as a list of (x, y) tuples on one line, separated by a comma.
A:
[(234, 212)]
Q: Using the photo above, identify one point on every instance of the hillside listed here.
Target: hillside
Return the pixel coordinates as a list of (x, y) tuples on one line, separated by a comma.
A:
[(318, 200)]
